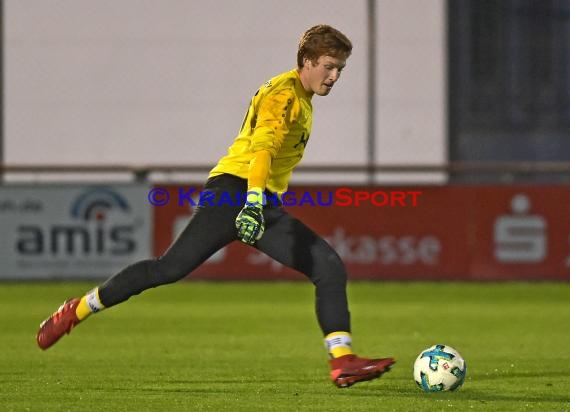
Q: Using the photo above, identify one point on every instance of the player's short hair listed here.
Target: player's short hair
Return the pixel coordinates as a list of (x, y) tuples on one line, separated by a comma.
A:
[(323, 40)]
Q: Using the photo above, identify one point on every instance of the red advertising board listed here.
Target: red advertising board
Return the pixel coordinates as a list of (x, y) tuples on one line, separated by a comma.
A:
[(521, 232), (405, 233)]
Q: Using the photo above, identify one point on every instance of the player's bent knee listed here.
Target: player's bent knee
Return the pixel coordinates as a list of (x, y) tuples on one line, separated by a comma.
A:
[(330, 272)]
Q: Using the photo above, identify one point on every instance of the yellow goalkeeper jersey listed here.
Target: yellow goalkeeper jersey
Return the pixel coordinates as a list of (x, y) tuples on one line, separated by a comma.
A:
[(279, 121)]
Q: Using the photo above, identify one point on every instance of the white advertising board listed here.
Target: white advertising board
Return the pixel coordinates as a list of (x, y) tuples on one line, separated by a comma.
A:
[(72, 231)]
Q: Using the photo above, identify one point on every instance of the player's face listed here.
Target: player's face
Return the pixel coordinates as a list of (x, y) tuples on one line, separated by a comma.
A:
[(320, 77)]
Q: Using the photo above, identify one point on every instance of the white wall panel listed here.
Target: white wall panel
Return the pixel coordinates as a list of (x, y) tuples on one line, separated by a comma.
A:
[(144, 81), (411, 80)]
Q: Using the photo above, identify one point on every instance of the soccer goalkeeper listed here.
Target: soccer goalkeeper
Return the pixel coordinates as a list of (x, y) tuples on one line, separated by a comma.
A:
[(271, 142)]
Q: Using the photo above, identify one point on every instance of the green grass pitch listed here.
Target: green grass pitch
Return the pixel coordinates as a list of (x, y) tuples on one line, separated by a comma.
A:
[(199, 346)]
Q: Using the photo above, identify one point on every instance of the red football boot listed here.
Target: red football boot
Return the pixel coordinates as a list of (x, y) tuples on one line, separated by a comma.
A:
[(58, 324), (350, 369)]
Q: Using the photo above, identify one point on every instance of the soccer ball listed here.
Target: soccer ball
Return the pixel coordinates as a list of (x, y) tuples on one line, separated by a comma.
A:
[(439, 368)]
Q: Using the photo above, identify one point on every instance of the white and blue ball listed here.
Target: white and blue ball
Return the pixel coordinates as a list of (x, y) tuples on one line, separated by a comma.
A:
[(439, 368)]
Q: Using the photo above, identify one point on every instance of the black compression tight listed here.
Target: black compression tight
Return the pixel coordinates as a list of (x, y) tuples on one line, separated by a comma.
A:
[(286, 239)]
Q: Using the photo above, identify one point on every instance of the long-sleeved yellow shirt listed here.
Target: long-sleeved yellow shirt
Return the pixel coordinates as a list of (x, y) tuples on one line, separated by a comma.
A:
[(276, 127)]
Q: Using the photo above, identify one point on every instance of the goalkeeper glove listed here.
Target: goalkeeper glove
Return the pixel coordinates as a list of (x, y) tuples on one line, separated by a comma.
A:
[(249, 222)]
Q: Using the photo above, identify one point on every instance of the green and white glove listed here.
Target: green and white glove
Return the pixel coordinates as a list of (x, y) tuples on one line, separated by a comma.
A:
[(249, 222)]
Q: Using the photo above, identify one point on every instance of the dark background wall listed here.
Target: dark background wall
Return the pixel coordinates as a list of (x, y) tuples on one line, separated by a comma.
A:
[(509, 82)]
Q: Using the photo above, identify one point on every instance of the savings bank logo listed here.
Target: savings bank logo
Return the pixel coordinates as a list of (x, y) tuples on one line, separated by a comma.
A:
[(101, 224)]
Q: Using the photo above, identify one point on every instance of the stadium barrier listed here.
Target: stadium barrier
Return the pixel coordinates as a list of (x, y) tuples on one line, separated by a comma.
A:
[(452, 232), (490, 232)]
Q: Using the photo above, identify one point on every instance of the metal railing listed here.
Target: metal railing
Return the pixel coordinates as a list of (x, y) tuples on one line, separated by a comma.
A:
[(142, 172)]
